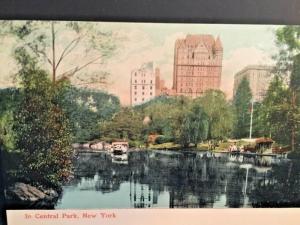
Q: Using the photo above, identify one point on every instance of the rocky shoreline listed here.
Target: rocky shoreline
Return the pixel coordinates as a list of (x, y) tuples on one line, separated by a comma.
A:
[(28, 196)]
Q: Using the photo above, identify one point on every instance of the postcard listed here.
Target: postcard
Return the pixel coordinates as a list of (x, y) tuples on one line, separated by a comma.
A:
[(119, 116)]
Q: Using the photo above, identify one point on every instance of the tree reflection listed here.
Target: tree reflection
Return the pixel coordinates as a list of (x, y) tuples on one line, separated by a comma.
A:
[(234, 192), (192, 179), (279, 188)]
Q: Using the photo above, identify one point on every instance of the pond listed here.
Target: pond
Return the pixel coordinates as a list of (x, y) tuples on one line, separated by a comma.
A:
[(165, 179)]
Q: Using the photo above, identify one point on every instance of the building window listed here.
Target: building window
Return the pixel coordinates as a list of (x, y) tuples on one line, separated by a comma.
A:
[(150, 87), (135, 81), (143, 87), (135, 74), (150, 93), (143, 93), (143, 99), (135, 92), (150, 81), (135, 87), (135, 99)]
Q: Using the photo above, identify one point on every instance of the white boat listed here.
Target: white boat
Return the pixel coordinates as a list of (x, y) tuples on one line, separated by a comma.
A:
[(120, 147)]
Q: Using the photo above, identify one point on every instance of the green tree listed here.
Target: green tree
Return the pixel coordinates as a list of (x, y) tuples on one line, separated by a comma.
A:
[(87, 110), (242, 102), (41, 127), (194, 128), (288, 62), (219, 112), (274, 110), (166, 114), (294, 112), (126, 124), (9, 98), (287, 40)]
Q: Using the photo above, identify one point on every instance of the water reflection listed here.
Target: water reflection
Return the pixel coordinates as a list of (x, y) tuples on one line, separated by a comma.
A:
[(187, 179)]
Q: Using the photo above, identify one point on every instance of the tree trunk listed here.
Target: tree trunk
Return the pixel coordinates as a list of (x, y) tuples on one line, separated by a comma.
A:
[(53, 53)]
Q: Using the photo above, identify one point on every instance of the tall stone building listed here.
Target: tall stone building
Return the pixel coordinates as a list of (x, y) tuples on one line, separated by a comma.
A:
[(142, 84), (197, 65), (259, 77), (159, 84)]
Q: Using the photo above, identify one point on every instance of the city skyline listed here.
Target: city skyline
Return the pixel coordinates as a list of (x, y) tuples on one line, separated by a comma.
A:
[(144, 42)]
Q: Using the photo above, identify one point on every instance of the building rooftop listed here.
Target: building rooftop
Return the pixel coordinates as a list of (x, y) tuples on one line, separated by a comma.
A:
[(207, 39), (254, 67)]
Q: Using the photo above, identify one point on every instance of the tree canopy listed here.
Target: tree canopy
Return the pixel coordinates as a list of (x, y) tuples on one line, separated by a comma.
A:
[(42, 134), (288, 64), (87, 110), (219, 112), (242, 101), (194, 128)]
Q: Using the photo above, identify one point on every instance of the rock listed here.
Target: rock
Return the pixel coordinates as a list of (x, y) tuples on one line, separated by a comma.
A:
[(27, 193), (51, 194)]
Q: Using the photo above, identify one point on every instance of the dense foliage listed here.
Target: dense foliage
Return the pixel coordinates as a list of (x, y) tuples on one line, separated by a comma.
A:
[(86, 110), (274, 110), (42, 134), (166, 115), (9, 98), (194, 127), (41, 118), (126, 124), (176, 119), (220, 114), (242, 103), (278, 115)]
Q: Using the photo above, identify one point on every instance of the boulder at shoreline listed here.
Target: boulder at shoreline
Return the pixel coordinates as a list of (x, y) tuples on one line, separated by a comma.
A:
[(27, 194)]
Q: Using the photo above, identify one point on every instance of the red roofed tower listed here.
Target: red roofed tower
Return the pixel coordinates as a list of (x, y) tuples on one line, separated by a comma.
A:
[(197, 65)]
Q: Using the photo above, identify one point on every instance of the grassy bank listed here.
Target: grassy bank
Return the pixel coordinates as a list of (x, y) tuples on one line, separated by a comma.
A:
[(200, 147), (165, 146)]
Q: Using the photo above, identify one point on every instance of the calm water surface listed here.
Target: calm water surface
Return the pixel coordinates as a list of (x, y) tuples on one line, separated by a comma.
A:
[(164, 179)]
